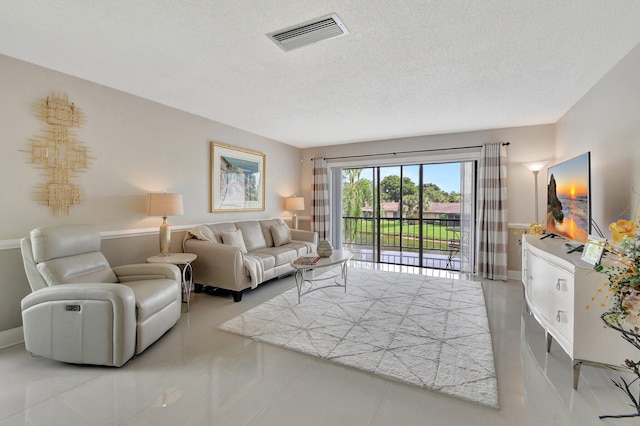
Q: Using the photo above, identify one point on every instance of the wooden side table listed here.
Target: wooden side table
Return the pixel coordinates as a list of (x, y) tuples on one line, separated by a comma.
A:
[(181, 260)]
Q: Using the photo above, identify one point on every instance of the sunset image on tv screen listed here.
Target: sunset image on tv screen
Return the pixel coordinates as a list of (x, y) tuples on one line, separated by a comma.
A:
[(568, 198)]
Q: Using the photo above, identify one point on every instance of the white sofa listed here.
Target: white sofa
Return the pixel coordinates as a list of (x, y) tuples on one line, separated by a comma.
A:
[(240, 255)]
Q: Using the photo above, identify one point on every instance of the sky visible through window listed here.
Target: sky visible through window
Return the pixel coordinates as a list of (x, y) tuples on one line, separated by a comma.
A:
[(445, 175)]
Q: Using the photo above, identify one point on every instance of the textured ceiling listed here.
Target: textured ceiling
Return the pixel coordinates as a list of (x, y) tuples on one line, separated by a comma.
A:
[(407, 68)]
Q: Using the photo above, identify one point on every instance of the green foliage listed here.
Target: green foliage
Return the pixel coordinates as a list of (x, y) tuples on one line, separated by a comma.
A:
[(433, 194), (390, 188), (410, 206), (356, 193)]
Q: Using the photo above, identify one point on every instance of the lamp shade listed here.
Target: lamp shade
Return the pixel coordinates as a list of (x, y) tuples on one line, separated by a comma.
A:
[(165, 204), (294, 203), (535, 166)]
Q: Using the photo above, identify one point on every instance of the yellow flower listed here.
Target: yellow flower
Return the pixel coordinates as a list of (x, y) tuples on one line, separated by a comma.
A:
[(621, 229)]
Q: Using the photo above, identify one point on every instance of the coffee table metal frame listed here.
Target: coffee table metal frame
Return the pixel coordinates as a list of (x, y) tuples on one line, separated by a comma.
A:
[(338, 257)]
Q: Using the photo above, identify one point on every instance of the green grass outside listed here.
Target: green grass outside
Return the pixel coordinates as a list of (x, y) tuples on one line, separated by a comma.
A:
[(435, 237)]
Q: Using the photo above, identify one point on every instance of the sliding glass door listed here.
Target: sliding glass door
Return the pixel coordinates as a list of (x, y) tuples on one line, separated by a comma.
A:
[(360, 209), (409, 214)]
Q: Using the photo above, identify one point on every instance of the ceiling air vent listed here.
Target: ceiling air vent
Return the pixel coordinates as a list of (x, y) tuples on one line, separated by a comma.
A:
[(309, 32)]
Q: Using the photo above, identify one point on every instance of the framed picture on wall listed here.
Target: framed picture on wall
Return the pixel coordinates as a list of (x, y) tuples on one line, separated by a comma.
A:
[(237, 179)]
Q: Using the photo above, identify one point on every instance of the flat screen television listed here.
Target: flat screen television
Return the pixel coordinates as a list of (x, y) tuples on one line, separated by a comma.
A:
[(568, 198)]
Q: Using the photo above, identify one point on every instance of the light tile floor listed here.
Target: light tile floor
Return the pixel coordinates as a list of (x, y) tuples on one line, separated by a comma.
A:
[(198, 375)]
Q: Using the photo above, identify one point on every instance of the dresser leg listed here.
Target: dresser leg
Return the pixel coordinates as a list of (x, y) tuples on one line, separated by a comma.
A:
[(576, 373), (549, 340)]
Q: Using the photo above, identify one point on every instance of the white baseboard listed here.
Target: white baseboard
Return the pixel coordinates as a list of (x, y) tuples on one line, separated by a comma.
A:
[(514, 275), (11, 337)]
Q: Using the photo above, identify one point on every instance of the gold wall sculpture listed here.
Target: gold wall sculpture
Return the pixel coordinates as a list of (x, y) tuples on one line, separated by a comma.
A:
[(58, 153)]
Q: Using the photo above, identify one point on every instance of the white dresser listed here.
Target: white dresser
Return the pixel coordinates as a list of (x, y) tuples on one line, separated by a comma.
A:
[(558, 287)]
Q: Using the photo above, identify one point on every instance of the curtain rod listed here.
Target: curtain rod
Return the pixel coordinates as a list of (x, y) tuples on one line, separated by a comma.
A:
[(409, 152)]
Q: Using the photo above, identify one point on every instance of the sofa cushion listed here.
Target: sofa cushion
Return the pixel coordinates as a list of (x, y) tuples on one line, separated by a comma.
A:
[(152, 296), (266, 225), (204, 232), (234, 238), (268, 260), (282, 254), (298, 247), (219, 228), (280, 234), (252, 234), (81, 268)]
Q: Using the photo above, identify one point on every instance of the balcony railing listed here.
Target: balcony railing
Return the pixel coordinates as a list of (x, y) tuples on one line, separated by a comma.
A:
[(432, 243)]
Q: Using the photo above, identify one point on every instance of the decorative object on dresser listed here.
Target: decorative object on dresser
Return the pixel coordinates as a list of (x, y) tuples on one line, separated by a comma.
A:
[(559, 287), (164, 204), (294, 204), (237, 179), (423, 331)]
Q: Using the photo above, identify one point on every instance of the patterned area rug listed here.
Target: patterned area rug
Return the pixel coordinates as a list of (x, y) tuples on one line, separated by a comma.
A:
[(425, 331)]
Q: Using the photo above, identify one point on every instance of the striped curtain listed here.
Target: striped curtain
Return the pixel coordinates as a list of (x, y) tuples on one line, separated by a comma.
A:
[(492, 212), (320, 199)]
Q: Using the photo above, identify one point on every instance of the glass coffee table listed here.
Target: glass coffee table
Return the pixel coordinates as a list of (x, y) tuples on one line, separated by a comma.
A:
[(304, 273)]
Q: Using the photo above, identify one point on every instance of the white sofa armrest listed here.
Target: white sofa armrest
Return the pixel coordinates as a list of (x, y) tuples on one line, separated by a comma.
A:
[(218, 265), (302, 235), (81, 323), (147, 271)]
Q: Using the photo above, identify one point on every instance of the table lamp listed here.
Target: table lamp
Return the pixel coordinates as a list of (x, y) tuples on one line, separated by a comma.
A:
[(294, 204), (165, 204)]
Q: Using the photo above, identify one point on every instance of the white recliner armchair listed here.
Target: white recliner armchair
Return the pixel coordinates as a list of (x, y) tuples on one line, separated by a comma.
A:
[(85, 312)]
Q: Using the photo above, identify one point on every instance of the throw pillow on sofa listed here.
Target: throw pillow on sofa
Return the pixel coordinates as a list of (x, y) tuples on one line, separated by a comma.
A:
[(203, 232), (281, 234), (234, 238)]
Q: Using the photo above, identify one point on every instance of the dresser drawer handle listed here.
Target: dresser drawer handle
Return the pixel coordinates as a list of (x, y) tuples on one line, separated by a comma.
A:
[(558, 319), (558, 283)]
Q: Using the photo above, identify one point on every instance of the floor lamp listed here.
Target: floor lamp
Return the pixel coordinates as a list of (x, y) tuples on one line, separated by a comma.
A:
[(535, 167)]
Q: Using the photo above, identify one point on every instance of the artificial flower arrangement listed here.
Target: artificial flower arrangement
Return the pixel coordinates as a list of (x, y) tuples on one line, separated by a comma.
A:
[(623, 275), (623, 313), (536, 228)]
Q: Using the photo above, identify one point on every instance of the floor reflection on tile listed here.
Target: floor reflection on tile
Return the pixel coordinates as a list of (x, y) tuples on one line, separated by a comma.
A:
[(198, 375)]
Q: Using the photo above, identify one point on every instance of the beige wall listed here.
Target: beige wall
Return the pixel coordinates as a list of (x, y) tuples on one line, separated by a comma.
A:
[(606, 121), (139, 147)]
